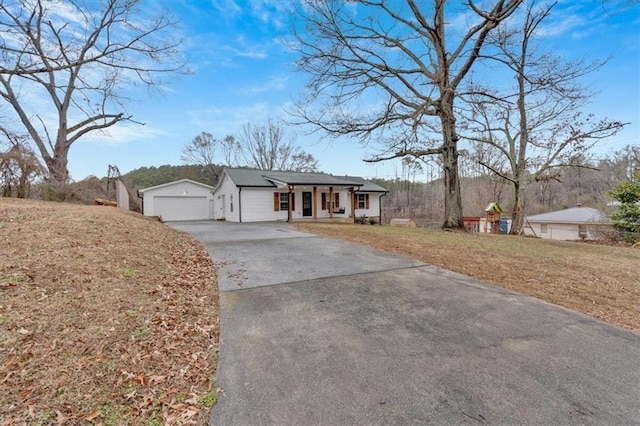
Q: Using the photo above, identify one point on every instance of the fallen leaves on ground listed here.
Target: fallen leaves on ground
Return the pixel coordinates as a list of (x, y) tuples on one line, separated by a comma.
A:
[(106, 317)]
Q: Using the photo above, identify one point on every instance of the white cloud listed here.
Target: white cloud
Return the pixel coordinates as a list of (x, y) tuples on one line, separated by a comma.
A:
[(123, 133), (247, 52), (273, 83), (228, 8), (576, 20), (561, 25), (462, 21), (229, 120), (273, 12), (247, 49), (67, 13)]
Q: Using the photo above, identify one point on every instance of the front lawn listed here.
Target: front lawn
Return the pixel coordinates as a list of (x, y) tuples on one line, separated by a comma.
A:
[(601, 281)]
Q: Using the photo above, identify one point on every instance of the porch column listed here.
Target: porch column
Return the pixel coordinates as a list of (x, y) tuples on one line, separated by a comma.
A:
[(290, 204), (315, 203), (352, 198), (353, 203), (330, 202)]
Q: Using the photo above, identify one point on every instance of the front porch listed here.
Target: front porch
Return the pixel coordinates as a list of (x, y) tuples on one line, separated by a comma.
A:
[(335, 219), (315, 203)]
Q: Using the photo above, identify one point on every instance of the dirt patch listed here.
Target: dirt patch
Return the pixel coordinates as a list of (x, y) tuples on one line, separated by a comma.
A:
[(600, 281), (106, 317)]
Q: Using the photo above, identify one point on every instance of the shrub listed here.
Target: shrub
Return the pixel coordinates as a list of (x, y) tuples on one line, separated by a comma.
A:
[(627, 216), (361, 219)]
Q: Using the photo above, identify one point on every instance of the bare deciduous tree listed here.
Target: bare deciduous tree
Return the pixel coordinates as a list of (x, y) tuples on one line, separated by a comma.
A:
[(266, 147), (410, 59), (72, 59), (19, 166), (211, 153), (625, 163), (537, 128)]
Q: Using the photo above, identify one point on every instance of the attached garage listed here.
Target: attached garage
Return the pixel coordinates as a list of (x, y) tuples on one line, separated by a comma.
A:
[(180, 200)]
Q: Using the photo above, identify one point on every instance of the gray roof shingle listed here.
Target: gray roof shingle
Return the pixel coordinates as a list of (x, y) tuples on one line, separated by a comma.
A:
[(367, 186), (263, 179), (572, 215), (174, 183)]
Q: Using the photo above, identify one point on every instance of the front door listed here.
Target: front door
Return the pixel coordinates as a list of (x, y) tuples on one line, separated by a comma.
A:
[(307, 209)]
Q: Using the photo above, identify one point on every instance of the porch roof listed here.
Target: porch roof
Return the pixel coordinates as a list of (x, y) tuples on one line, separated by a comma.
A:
[(367, 186)]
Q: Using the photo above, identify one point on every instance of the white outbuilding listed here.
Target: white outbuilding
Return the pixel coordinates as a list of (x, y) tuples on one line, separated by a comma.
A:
[(568, 224), (180, 200)]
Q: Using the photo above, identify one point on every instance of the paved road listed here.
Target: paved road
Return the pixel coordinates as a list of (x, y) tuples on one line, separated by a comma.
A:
[(317, 331)]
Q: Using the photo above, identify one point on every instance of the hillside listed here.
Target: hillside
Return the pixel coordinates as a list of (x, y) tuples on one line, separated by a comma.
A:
[(106, 317), (145, 177)]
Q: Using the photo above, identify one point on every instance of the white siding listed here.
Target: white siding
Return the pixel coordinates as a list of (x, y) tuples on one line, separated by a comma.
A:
[(568, 231), (226, 201), (344, 199), (554, 231), (374, 206), (177, 201), (257, 205)]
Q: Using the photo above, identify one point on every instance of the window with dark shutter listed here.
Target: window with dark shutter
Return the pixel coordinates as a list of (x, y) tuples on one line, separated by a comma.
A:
[(284, 201), (337, 201), (324, 200)]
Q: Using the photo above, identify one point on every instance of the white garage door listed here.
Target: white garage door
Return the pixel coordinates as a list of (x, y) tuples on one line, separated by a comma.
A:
[(181, 208)]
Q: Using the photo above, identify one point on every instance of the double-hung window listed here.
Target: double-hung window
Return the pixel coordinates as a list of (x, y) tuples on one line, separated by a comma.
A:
[(362, 202), (284, 201)]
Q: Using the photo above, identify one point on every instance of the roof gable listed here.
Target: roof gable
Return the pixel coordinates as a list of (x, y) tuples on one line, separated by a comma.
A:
[(493, 207), (175, 182)]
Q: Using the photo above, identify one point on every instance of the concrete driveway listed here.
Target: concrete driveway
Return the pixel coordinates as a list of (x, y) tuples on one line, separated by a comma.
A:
[(319, 331)]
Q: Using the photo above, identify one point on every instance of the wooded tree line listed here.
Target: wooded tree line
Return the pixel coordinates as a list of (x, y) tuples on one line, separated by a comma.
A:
[(588, 183)]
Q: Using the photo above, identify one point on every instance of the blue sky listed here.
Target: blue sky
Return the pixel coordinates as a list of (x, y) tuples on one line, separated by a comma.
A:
[(244, 72)]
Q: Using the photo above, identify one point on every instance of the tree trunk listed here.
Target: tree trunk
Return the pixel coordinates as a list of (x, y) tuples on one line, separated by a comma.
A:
[(23, 186), (452, 196), (6, 190), (517, 219), (58, 175), (57, 165)]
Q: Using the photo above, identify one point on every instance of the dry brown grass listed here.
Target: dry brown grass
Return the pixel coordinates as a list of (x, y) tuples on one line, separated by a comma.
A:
[(601, 281), (106, 317)]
